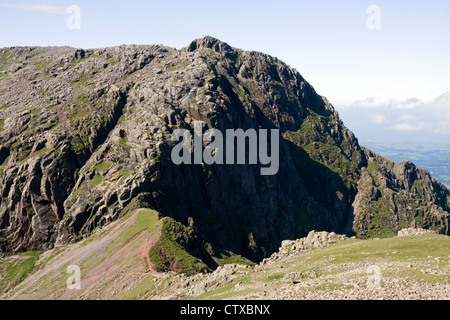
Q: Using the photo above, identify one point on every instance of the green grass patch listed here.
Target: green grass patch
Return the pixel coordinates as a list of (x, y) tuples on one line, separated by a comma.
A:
[(145, 220), (112, 61), (40, 153), (374, 169), (147, 286), (226, 292), (40, 65), (380, 220), (184, 64), (124, 144), (97, 56), (5, 106), (23, 157), (82, 81), (278, 83), (137, 203), (78, 115), (76, 193), (97, 180), (419, 248), (103, 166), (170, 252), (276, 276), (125, 174), (77, 145), (14, 270), (229, 295)]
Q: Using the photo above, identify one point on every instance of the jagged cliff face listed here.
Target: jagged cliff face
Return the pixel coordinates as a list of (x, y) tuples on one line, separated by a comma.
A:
[(393, 196), (85, 136)]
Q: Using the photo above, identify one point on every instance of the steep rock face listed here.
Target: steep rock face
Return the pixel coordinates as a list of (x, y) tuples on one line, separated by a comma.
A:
[(57, 106), (86, 134), (233, 206), (393, 196)]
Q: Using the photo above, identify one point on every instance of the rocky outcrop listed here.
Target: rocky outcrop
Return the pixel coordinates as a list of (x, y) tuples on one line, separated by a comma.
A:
[(413, 232), (85, 135), (221, 277), (314, 240), (392, 196), (58, 107)]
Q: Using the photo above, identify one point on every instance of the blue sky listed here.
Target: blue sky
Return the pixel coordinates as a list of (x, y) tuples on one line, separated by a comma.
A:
[(328, 42)]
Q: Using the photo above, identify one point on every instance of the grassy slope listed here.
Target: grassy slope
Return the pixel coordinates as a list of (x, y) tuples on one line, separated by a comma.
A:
[(169, 253), (112, 267), (15, 270), (422, 260), (106, 253)]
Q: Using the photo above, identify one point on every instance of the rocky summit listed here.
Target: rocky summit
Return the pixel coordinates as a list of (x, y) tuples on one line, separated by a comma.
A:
[(85, 138)]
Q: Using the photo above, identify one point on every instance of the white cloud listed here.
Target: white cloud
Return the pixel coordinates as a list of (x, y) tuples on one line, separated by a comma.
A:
[(407, 115), (409, 127), (443, 102), (378, 118), (36, 7), (378, 103), (367, 103)]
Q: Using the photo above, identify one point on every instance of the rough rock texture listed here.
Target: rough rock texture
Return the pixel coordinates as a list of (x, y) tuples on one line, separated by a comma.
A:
[(221, 277), (314, 240), (392, 196), (86, 133), (413, 232)]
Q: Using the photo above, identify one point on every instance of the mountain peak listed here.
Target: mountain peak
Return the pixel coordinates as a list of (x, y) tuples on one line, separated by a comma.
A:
[(84, 138), (209, 43)]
